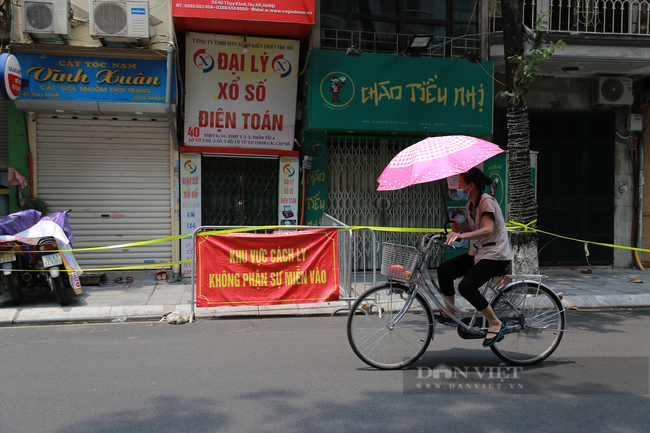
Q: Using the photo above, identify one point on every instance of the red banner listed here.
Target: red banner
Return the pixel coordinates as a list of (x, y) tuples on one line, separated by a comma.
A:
[(250, 269)]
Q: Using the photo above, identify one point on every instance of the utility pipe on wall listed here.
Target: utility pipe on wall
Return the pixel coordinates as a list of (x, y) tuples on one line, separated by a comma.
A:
[(175, 157), (168, 95)]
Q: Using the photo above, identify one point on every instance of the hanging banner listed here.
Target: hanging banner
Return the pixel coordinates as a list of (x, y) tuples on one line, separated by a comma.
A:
[(256, 269), (190, 204), (288, 211), (240, 96)]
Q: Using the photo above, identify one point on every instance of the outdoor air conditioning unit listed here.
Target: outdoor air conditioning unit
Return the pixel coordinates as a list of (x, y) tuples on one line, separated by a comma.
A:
[(613, 91), (46, 19), (119, 21)]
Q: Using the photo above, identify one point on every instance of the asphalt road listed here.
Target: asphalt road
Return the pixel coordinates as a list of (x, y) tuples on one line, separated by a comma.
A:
[(299, 374)]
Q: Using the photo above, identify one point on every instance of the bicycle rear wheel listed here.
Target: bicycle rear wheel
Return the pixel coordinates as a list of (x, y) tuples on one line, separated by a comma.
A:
[(536, 315), (382, 340)]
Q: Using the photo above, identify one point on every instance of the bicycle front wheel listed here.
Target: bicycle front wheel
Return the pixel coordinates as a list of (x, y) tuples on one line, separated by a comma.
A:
[(536, 315), (383, 333)]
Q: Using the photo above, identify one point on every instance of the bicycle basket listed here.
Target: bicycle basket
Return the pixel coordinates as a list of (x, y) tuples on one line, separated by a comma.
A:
[(398, 261)]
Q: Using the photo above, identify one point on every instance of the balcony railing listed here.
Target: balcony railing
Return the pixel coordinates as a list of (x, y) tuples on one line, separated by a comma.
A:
[(603, 17), (396, 43)]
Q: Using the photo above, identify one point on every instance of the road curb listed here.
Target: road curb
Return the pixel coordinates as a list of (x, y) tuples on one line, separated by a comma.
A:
[(53, 315)]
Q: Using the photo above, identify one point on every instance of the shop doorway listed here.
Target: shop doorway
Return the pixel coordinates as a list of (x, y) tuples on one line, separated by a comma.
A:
[(239, 191), (354, 164), (574, 178)]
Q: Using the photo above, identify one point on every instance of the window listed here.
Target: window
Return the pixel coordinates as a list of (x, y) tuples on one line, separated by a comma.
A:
[(383, 25)]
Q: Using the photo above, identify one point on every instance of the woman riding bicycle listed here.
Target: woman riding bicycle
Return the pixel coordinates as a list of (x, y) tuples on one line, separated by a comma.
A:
[(489, 258)]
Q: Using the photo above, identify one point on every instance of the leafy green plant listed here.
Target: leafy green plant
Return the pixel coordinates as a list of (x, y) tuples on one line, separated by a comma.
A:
[(540, 51)]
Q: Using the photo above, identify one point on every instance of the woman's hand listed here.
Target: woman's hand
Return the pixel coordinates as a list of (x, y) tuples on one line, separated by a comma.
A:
[(453, 237)]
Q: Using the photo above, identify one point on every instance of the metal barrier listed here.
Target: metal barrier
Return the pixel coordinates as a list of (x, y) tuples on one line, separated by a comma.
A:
[(354, 248), (350, 277)]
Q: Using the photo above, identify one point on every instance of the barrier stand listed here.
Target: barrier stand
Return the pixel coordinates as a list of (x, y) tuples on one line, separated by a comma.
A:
[(350, 261), (233, 229)]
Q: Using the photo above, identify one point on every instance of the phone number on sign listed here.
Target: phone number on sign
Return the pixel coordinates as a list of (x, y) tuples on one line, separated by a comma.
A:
[(218, 7)]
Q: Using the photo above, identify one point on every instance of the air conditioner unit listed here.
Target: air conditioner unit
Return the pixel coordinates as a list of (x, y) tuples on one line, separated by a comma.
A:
[(120, 21), (46, 18), (613, 91)]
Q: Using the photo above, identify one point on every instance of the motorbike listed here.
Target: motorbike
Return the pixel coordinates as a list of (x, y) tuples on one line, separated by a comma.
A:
[(33, 253)]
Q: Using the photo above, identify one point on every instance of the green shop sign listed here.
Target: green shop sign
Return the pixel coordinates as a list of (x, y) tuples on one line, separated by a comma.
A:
[(380, 92)]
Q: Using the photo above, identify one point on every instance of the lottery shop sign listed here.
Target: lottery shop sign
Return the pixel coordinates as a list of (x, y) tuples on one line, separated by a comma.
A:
[(267, 269), (240, 95)]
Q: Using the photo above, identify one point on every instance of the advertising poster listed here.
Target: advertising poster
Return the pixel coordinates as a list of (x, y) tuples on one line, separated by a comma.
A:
[(190, 204), (496, 169), (238, 96), (377, 92), (456, 201), (267, 269), (315, 145), (289, 185)]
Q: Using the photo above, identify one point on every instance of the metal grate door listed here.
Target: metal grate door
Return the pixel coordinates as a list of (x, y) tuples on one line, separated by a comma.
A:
[(354, 164), (239, 191)]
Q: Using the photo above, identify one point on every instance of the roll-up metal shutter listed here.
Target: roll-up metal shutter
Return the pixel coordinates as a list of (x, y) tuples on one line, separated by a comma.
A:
[(114, 173), (4, 135)]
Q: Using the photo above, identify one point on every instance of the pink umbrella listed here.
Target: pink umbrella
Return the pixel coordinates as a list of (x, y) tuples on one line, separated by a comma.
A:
[(435, 158)]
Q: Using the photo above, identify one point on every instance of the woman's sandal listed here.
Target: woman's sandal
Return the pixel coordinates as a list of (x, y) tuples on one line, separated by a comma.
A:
[(129, 279), (119, 280), (498, 336), (438, 317)]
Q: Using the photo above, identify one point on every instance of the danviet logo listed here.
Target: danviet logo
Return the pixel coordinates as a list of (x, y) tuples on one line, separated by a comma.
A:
[(204, 61)]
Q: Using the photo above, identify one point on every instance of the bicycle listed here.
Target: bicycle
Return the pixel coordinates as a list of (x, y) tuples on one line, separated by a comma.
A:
[(391, 325)]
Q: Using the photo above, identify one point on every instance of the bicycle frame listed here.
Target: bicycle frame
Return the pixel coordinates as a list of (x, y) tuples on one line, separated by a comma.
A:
[(418, 282)]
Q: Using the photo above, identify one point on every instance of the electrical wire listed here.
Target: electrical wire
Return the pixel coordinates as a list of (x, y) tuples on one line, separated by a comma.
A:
[(488, 74)]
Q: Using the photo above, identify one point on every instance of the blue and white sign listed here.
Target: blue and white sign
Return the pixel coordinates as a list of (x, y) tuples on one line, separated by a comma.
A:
[(10, 76), (66, 78)]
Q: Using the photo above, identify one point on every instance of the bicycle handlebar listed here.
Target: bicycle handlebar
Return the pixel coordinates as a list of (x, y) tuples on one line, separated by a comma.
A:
[(430, 239), (440, 239)]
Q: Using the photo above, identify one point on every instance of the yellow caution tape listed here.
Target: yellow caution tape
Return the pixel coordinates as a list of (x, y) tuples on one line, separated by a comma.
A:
[(524, 228)]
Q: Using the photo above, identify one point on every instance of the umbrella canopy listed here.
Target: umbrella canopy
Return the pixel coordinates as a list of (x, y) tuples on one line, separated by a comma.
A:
[(435, 158)]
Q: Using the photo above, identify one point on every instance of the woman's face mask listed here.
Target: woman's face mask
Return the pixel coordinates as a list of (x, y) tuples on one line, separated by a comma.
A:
[(466, 187)]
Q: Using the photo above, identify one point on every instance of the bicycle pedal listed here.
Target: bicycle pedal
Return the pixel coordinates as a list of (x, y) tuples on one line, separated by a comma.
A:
[(465, 335)]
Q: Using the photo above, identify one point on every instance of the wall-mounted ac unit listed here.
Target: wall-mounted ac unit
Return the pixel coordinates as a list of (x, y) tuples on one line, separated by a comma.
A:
[(46, 19), (613, 91), (121, 21)]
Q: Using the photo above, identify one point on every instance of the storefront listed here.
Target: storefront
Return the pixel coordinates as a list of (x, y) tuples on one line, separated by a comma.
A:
[(100, 145), (238, 165), (361, 111)]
